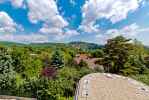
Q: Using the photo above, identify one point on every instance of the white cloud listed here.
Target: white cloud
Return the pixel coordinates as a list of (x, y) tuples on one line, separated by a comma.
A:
[(102, 38), (46, 29), (89, 28), (58, 33), (46, 11), (36, 37), (110, 9), (17, 3), (114, 10), (130, 31), (24, 38), (68, 33), (72, 2), (41, 10), (7, 25), (71, 32)]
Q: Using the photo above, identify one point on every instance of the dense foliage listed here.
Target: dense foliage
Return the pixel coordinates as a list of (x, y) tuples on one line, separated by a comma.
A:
[(44, 73), (49, 71), (127, 58), (7, 73), (123, 57), (116, 54)]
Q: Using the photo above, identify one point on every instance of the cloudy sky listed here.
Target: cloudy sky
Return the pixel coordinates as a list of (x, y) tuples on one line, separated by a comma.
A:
[(73, 20)]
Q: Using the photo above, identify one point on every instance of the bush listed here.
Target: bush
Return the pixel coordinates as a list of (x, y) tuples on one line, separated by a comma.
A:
[(82, 64), (49, 72), (97, 53), (7, 73)]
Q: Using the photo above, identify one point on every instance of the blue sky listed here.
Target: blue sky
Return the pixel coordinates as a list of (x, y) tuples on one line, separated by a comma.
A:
[(73, 20)]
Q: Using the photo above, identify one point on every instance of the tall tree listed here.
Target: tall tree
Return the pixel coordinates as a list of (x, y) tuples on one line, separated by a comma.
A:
[(135, 63), (57, 60), (116, 54)]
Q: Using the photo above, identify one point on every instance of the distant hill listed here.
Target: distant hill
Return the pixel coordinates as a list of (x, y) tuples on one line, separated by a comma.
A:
[(85, 45), (6, 43), (147, 47), (79, 45), (46, 44)]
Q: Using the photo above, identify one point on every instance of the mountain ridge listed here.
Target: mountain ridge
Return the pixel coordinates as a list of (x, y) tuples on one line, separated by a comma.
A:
[(74, 44)]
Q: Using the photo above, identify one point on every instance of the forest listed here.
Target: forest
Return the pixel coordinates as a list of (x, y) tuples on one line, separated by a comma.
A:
[(49, 71)]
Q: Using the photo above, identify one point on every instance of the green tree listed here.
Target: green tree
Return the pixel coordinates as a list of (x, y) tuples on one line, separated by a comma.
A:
[(20, 58), (135, 63), (7, 73), (82, 64), (57, 60), (116, 54), (68, 77), (41, 88), (133, 66), (97, 53), (24, 63), (49, 89), (68, 73)]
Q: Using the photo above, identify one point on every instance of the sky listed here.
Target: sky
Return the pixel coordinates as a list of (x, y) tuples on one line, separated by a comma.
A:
[(39, 21)]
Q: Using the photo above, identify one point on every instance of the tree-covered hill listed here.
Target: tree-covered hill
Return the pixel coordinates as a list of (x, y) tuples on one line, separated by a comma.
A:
[(6, 43), (85, 45), (77, 44)]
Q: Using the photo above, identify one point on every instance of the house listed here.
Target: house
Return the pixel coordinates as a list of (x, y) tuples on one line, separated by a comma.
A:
[(91, 62), (80, 57)]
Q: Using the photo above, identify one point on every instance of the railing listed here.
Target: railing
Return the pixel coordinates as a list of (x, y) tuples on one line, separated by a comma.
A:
[(77, 91), (84, 92)]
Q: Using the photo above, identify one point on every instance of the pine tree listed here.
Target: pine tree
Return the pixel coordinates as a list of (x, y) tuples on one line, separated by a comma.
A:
[(116, 54), (57, 60)]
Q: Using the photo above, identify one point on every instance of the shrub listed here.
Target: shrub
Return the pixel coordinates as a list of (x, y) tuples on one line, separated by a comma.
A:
[(49, 72)]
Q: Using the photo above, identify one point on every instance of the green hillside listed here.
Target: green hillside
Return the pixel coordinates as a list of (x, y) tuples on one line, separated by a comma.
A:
[(6, 43), (79, 45), (85, 45)]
